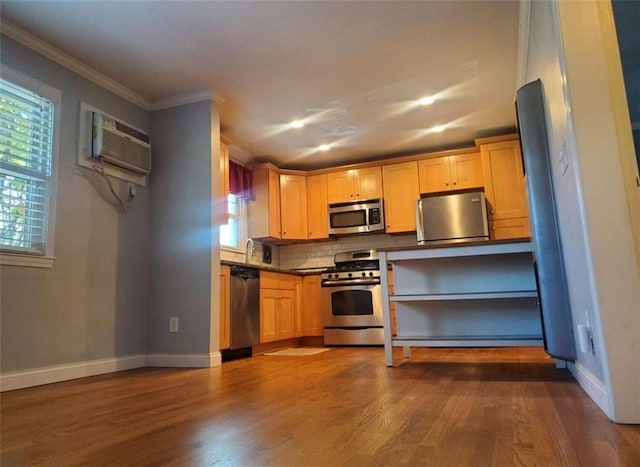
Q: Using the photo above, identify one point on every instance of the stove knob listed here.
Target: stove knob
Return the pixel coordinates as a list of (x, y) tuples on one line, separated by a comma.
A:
[(364, 274), (336, 275), (349, 275), (370, 274)]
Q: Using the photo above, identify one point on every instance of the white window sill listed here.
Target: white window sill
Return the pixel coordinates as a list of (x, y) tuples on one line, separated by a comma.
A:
[(29, 261), (231, 249)]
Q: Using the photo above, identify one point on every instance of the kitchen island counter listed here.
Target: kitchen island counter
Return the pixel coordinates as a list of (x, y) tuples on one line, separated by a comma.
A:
[(461, 295)]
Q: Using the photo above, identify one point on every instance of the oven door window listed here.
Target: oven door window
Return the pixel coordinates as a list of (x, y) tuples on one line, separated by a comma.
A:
[(352, 302), (348, 219)]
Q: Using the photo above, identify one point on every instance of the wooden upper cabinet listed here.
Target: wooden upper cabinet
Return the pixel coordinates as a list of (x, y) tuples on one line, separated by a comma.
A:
[(263, 214), (504, 180), (434, 175), (317, 207), (222, 213), (466, 171), (401, 191), (293, 207), (368, 183), (354, 184), (447, 173)]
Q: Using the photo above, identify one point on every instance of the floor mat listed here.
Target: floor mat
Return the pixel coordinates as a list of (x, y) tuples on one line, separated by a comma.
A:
[(298, 351)]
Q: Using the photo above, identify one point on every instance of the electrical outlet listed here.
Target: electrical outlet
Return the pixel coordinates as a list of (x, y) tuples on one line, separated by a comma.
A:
[(173, 324)]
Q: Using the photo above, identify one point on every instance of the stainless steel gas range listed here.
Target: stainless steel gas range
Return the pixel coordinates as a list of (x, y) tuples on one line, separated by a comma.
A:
[(352, 300)]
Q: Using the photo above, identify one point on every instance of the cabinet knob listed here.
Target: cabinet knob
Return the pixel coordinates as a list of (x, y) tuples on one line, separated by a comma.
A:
[(454, 183), (357, 194), (492, 211), (493, 228), (446, 184)]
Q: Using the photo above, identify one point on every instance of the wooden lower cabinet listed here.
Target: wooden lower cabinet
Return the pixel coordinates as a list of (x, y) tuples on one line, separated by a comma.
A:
[(312, 324), (277, 315), (225, 307), (280, 306), (509, 228)]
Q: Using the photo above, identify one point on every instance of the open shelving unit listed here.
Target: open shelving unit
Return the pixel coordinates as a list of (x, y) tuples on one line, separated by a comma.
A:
[(462, 295)]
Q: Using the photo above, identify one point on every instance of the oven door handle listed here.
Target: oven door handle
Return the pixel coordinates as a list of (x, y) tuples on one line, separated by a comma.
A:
[(342, 283)]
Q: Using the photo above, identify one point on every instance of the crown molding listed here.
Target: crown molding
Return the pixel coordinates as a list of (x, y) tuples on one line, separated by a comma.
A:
[(523, 42), (188, 98), (44, 48), (34, 43)]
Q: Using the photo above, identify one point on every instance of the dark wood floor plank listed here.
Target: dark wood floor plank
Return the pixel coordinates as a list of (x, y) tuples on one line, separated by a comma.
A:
[(499, 407)]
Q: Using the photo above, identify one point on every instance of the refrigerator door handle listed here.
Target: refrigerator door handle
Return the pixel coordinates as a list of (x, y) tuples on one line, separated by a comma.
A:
[(419, 221)]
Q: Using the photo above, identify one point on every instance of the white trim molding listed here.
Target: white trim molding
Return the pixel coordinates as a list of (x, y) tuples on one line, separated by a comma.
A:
[(594, 388), (62, 58), (189, 98), (54, 374), (67, 61), (185, 360), (523, 42)]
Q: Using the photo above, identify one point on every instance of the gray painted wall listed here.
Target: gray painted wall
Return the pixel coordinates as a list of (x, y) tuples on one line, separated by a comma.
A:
[(93, 303), (181, 234), (603, 275)]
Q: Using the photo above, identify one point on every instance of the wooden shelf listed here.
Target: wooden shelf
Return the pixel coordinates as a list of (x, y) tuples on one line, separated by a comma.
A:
[(465, 296), (467, 341)]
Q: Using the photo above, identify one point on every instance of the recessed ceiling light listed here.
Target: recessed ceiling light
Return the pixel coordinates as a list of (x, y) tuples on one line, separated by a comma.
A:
[(324, 147), (438, 128), (297, 124), (426, 100)]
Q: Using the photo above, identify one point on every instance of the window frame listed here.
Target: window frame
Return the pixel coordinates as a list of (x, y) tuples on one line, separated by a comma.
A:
[(9, 257), (242, 227)]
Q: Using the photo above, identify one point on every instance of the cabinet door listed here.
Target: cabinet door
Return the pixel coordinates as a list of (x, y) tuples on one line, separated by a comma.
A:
[(274, 205), (317, 207), (339, 186), (466, 171), (222, 211), (263, 213), (401, 190), (367, 183), (434, 175), (312, 309), (285, 315), (517, 227), (293, 206), (225, 307), (297, 302), (504, 180), (269, 301)]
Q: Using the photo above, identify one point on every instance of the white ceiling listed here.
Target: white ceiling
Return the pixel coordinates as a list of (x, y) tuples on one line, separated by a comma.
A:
[(352, 70)]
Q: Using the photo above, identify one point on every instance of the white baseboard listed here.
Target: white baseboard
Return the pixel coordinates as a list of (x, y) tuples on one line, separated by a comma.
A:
[(54, 374), (185, 360), (24, 379), (594, 388)]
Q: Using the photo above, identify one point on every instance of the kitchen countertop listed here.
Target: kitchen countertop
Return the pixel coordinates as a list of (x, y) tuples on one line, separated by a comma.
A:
[(266, 267), (455, 245)]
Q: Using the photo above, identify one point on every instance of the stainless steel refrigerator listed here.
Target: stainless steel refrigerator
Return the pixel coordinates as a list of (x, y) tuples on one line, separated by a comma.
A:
[(458, 217), (555, 309)]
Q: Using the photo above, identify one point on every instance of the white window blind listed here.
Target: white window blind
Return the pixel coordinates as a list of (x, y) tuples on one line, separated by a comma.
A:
[(26, 148)]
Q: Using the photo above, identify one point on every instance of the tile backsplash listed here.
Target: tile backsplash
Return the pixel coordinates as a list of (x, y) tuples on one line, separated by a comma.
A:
[(320, 254), (317, 254)]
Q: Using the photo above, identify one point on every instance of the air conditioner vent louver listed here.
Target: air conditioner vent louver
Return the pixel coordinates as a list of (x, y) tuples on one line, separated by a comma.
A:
[(120, 145)]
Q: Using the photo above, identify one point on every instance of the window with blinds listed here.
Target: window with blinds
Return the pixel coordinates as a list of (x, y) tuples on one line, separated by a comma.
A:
[(26, 149)]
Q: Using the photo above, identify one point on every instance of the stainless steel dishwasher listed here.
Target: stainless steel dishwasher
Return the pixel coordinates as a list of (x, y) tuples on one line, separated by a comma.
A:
[(245, 307)]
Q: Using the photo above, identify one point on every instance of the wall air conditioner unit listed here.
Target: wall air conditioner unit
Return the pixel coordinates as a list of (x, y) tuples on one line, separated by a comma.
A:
[(120, 145)]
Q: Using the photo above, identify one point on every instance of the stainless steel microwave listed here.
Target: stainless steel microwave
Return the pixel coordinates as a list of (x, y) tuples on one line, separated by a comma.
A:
[(356, 217)]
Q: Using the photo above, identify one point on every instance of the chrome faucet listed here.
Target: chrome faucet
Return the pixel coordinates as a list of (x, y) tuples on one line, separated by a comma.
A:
[(249, 250)]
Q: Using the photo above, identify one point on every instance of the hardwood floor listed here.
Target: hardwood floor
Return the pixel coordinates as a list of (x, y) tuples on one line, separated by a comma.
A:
[(443, 407)]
